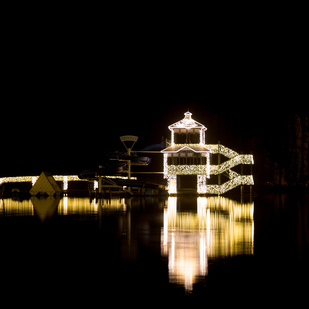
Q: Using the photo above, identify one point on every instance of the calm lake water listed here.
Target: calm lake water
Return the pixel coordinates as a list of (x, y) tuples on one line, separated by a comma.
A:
[(77, 251)]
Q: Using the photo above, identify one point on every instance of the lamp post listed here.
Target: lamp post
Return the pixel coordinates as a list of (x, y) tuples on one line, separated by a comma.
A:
[(129, 138)]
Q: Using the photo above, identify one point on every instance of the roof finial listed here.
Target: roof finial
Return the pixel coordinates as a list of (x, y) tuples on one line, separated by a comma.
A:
[(188, 115)]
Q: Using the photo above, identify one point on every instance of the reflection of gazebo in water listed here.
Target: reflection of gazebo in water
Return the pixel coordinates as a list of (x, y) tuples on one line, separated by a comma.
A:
[(221, 227)]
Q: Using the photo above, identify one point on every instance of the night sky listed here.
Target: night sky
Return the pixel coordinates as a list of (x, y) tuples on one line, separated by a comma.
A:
[(70, 92)]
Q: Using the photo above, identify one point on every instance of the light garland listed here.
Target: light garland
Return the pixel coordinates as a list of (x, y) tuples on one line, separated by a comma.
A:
[(229, 185), (201, 184), (165, 166), (215, 149), (64, 178), (232, 174), (172, 184), (187, 169), (240, 159)]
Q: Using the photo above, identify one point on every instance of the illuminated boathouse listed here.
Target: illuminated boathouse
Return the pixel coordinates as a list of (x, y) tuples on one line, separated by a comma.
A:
[(186, 162)]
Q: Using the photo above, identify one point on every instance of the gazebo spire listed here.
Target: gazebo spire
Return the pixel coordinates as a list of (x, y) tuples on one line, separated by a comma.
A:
[(188, 115)]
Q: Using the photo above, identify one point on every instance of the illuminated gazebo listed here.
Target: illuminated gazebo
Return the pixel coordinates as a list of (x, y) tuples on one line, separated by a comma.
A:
[(186, 162)]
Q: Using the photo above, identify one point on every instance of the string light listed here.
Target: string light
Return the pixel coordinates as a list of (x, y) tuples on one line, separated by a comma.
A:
[(229, 185), (239, 159), (63, 178)]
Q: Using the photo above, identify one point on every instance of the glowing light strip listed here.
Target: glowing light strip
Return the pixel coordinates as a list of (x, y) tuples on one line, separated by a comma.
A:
[(222, 150), (172, 184), (65, 182), (240, 159), (205, 169), (165, 166), (187, 169), (201, 184), (229, 153), (63, 178), (233, 174), (229, 185)]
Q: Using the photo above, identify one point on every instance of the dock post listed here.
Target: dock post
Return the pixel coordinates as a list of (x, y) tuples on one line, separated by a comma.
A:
[(219, 162), (2, 193), (242, 186), (251, 187), (100, 183), (129, 164)]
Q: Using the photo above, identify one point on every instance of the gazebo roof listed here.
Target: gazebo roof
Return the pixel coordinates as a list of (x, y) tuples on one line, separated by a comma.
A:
[(187, 123)]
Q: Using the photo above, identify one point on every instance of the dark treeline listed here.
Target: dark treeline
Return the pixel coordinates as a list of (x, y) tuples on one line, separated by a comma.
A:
[(281, 151), (287, 156), (279, 145)]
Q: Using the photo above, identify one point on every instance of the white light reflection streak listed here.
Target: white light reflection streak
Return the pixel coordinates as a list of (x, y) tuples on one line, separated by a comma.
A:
[(184, 241), (65, 205), (221, 227), (1, 207)]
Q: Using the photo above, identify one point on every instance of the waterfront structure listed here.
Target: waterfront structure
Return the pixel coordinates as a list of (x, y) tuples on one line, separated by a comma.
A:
[(45, 184), (186, 166), (186, 162)]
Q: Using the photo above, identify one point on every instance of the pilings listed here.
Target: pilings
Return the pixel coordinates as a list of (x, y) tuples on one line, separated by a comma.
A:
[(219, 162), (241, 173), (2, 191)]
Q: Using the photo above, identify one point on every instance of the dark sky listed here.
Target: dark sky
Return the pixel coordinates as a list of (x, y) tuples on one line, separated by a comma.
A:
[(69, 92)]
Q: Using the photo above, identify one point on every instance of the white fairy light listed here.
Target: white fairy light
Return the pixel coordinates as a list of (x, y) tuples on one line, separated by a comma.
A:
[(65, 182), (201, 183)]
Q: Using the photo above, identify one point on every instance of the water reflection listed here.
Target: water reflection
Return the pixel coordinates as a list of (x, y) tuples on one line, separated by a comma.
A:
[(45, 208), (188, 231), (74, 205), (219, 227), (10, 207), (136, 245)]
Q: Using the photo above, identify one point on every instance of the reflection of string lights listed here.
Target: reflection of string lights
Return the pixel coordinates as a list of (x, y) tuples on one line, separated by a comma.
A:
[(17, 208), (115, 204), (221, 227), (65, 205)]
